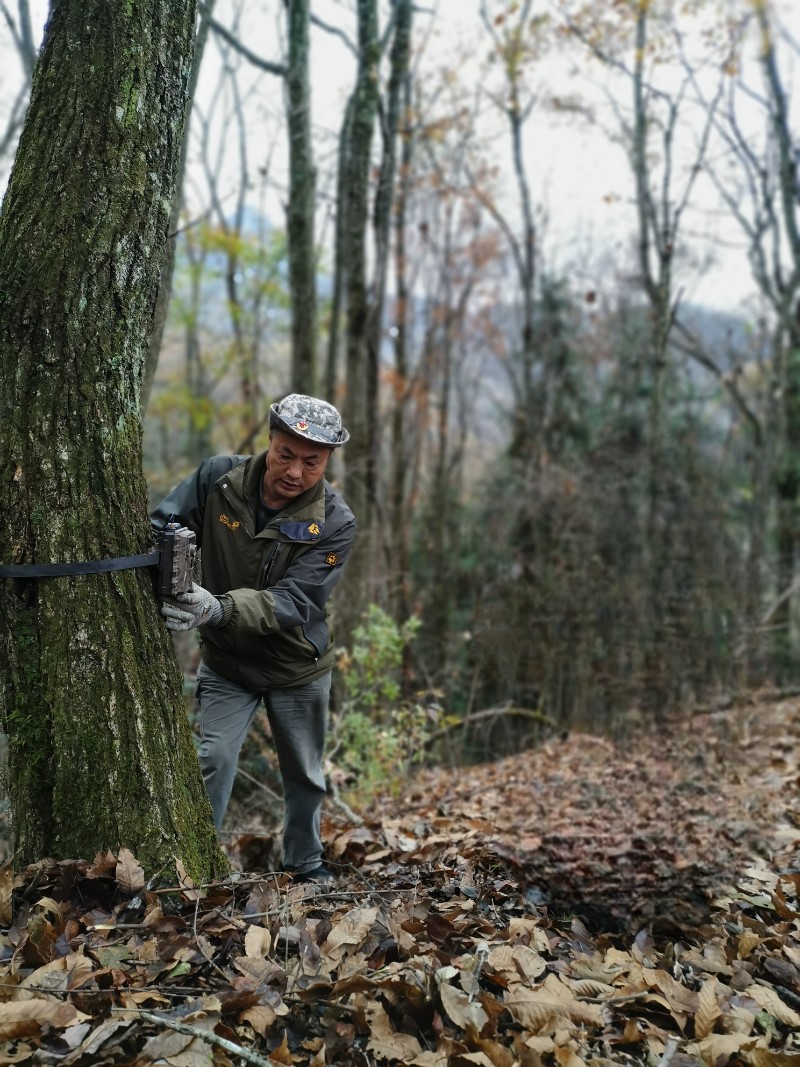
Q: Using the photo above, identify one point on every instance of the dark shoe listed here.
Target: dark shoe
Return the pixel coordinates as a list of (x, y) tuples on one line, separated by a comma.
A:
[(316, 874)]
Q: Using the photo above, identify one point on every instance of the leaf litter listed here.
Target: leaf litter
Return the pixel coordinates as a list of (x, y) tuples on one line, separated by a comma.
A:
[(584, 902)]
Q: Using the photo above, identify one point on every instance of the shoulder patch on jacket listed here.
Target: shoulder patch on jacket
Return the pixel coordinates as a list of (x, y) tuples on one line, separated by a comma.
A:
[(332, 559), (300, 531)]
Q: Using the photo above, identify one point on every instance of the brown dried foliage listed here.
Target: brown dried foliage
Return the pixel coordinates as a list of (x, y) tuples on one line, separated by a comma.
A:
[(577, 904)]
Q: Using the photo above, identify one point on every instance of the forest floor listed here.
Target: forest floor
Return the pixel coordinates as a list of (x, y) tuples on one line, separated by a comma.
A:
[(584, 902)]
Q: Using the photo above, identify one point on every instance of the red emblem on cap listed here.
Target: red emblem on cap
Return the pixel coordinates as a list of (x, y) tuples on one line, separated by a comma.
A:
[(301, 424)]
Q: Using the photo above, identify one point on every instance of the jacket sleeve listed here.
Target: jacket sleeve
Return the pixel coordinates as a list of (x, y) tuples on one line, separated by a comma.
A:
[(300, 597), (186, 503)]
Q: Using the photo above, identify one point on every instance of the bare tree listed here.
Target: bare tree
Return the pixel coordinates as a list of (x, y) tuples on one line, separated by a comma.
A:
[(22, 35), (756, 179), (168, 266), (511, 45)]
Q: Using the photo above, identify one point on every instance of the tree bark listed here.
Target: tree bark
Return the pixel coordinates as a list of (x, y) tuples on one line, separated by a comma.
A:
[(403, 469), (101, 754), (384, 195), (360, 418), (168, 263), (787, 343), (332, 370), (300, 212)]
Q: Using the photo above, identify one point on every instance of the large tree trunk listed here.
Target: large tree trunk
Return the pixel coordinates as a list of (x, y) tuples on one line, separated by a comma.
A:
[(100, 751)]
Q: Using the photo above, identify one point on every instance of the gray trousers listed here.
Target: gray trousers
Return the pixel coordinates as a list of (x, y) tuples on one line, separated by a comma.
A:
[(298, 719)]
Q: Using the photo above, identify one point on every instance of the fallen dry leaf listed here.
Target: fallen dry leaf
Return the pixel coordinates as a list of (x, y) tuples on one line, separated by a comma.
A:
[(26, 1017), (128, 873)]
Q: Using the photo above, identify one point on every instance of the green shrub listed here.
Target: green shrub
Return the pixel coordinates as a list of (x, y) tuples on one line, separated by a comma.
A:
[(377, 737)]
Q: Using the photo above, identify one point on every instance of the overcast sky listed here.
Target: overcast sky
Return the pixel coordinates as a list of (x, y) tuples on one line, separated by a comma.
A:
[(577, 174)]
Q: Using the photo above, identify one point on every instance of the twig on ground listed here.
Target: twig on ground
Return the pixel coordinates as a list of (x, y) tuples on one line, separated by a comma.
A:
[(511, 711), (259, 785), (204, 1035), (336, 800), (670, 1049), (199, 942)]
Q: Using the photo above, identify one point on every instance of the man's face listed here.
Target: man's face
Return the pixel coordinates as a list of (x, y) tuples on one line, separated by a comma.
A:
[(293, 465)]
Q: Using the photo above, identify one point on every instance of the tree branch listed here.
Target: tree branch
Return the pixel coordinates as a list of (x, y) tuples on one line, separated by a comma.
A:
[(15, 120), (693, 348), (326, 26), (12, 26), (27, 47), (267, 65)]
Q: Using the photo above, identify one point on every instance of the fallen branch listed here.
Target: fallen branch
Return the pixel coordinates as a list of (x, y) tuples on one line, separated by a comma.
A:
[(335, 798), (670, 1049), (510, 711), (204, 1035)]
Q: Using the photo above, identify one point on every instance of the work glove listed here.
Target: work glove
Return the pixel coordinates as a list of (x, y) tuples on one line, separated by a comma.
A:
[(185, 611)]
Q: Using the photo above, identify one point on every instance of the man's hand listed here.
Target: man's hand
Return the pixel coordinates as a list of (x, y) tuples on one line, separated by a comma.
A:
[(185, 611)]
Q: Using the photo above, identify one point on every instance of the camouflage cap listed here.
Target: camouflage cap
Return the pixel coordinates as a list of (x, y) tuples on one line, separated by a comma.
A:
[(310, 418)]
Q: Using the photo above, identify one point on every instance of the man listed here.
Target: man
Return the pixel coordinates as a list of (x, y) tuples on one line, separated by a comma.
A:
[(273, 538)]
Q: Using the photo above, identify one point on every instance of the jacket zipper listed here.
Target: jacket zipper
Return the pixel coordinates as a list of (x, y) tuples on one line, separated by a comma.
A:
[(266, 569)]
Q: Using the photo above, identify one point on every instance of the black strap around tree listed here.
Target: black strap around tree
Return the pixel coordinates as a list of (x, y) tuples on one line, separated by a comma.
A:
[(61, 570)]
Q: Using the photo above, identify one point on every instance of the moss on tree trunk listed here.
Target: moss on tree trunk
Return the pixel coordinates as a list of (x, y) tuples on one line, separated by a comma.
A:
[(100, 751)]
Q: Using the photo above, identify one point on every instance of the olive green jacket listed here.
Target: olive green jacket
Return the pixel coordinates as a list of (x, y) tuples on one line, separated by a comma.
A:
[(274, 586)]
